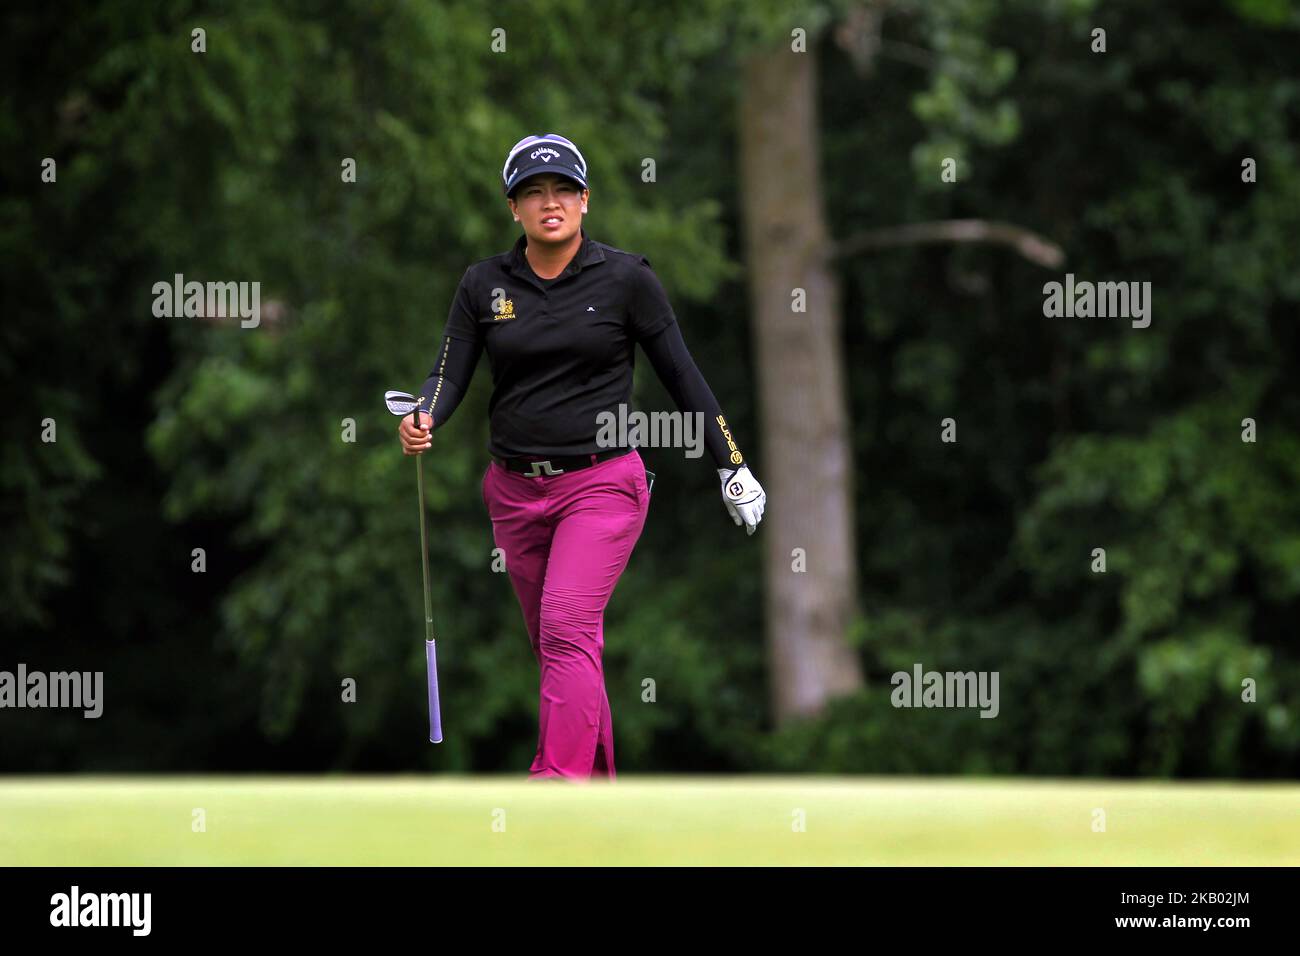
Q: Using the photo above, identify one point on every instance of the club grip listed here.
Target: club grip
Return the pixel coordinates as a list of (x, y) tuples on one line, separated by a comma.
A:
[(415, 416), (435, 709)]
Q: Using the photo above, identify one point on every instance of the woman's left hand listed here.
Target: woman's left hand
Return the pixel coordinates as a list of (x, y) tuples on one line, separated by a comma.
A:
[(743, 496)]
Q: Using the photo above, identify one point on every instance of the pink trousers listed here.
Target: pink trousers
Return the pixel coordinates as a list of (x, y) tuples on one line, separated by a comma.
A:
[(566, 538)]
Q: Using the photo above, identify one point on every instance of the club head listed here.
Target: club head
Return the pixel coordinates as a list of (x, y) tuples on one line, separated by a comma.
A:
[(400, 403)]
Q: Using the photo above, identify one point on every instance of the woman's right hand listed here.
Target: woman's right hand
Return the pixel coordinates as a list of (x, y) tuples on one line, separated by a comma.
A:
[(415, 441)]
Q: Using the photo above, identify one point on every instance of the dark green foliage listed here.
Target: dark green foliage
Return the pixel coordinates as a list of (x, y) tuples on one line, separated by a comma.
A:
[(1073, 434)]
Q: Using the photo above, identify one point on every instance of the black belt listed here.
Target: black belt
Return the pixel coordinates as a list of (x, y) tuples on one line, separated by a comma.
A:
[(557, 464)]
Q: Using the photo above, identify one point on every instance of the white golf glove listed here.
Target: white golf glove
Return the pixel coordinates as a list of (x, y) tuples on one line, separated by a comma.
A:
[(743, 496)]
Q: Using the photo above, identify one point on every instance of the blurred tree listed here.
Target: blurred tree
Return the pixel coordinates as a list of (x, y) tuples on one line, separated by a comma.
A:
[(811, 567), (1082, 433)]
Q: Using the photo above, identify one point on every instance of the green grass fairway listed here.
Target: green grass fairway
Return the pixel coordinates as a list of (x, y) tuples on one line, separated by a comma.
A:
[(424, 821)]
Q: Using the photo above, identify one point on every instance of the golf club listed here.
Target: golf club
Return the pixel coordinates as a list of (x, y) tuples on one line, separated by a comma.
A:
[(399, 403)]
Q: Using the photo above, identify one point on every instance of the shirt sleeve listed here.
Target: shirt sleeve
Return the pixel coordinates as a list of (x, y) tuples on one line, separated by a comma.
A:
[(462, 345), (684, 382), (449, 379), (462, 323), (648, 308)]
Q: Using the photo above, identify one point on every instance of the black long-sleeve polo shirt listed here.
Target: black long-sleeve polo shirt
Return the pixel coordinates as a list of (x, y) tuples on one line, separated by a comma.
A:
[(561, 351)]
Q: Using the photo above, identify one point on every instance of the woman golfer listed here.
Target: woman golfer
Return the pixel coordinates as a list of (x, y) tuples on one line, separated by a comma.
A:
[(559, 315)]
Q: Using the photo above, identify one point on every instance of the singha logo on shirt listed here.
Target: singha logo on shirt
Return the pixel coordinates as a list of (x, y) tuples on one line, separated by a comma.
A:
[(505, 312)]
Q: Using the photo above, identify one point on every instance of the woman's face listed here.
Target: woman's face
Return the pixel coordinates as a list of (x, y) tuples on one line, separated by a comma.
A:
[(549, 196)]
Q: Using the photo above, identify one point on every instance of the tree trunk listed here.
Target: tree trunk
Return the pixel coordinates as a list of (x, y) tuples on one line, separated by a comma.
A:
[(807, 469)]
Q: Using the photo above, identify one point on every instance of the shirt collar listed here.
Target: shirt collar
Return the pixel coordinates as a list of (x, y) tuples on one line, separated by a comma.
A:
[(588, 254)]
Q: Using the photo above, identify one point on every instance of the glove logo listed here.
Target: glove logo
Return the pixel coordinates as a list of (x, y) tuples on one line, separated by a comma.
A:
[(735, 489)]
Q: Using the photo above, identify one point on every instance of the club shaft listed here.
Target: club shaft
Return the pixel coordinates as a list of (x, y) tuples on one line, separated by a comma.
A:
[(424, 550)]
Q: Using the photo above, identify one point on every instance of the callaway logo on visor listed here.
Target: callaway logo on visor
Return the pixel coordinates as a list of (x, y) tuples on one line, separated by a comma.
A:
[(545, 148)]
